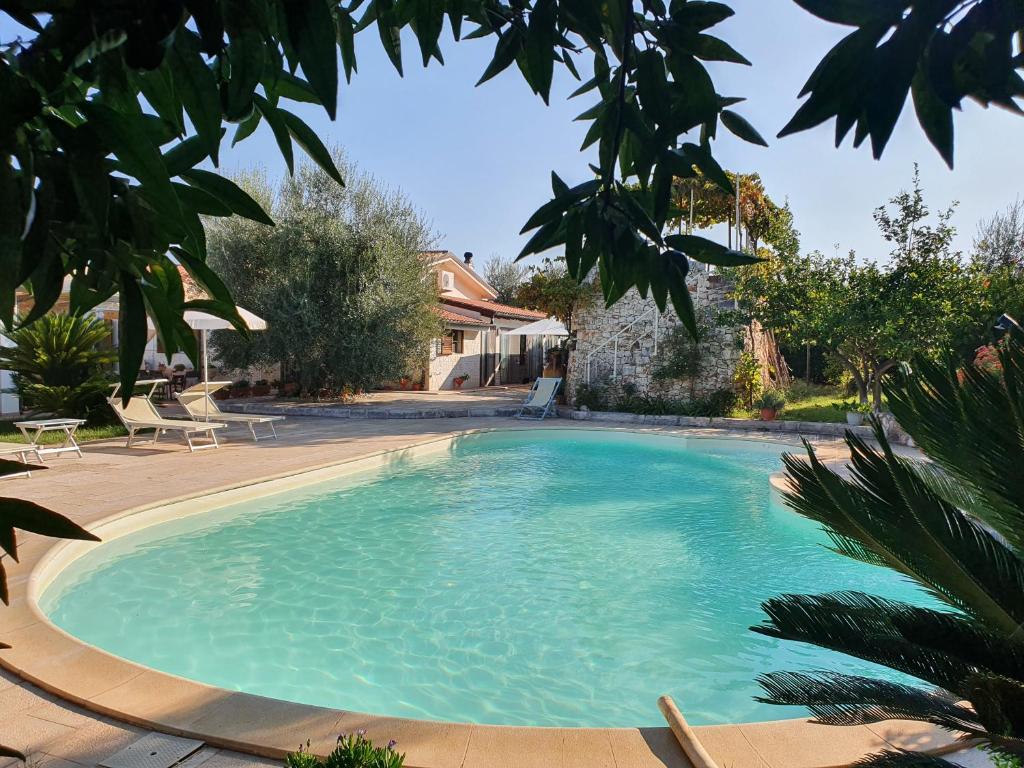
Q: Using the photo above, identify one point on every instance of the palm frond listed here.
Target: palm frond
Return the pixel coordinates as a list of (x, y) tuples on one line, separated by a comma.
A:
[(941, 648), (960, 558), (999, 702), (951, 490), (837, 699), (900, 759), (973, 429)]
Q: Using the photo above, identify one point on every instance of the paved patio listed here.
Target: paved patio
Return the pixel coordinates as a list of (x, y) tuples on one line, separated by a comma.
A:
[(414, 404), (111, 479)]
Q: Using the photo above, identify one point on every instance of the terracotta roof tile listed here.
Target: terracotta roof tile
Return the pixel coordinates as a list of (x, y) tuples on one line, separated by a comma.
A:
[(493, 308), (454, 317)]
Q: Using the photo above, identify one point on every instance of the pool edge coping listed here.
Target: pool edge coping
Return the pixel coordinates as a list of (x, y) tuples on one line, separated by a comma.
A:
[(231, 719)]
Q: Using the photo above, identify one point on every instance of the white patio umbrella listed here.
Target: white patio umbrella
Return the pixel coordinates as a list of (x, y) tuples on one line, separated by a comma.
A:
[(546, 327), (204, 322)]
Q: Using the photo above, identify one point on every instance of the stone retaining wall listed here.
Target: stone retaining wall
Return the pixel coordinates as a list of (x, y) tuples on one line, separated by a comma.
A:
[(638, 356)]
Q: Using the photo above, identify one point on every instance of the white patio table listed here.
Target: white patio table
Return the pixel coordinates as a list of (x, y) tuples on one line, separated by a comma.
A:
[(67, 426)]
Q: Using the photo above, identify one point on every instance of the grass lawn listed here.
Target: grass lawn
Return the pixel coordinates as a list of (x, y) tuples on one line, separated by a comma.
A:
[(11, 434), (807, 404)]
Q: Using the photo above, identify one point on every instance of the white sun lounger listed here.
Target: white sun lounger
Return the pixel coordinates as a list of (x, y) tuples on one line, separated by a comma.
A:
[(21, 450), (201, 407), (140, 413), (541, 399)]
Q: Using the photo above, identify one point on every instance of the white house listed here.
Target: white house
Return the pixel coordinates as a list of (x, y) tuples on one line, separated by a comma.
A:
[(473, 343)]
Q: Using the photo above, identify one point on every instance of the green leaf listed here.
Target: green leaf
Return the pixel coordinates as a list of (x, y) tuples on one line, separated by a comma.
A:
[(428, 23), (553, 209), (158, 88), (246, 57), (698, 14), (185, 155), (455, 13), (196, 85), (709, 252), (389, 30), (229, 193), (346, 43), (288, 86), (140, 159), (510, 44), (199, 201), (247, 127), (91, 183), (206, 277), (855, 13), (710, 48), (701, 157), (738, 125), (540, 41), (312, 32), (280, 130), (132, 332), (311, 144), (676, 270), (934, 115)]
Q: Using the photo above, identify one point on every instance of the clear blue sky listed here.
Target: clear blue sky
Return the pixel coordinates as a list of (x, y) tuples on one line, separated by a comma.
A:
[(477, 160)]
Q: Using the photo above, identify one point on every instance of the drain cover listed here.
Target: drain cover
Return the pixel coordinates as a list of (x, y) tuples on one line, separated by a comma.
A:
[(154, 750)]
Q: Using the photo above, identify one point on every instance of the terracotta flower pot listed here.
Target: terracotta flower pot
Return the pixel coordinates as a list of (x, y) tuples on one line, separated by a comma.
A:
[(260, 390), (457, 383), (768, 414)]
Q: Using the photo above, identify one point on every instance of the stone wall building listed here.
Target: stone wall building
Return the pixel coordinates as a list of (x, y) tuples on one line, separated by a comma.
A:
[(622, 347)]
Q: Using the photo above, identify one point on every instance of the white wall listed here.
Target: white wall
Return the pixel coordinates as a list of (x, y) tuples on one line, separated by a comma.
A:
[(444, 368)]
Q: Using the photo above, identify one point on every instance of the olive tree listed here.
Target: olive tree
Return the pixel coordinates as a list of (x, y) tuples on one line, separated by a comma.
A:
[(348, 300)]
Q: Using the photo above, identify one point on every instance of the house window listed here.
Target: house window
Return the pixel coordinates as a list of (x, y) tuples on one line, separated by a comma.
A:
[(452, 343), (522, 350)]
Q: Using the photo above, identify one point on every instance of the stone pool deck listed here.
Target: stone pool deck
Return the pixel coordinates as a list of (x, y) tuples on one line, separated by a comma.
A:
[(70, 705)]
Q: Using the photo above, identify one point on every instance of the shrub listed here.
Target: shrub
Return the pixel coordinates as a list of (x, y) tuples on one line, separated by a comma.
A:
[(592, 397), (771, 400), (352, 751), (59, 364), (719, 403), (747, 378)]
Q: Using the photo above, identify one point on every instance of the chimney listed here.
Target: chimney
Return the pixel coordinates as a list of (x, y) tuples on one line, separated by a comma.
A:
[(467, 258)]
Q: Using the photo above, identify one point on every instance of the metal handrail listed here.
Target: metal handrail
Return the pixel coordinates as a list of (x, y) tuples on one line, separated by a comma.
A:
[(614, 341)]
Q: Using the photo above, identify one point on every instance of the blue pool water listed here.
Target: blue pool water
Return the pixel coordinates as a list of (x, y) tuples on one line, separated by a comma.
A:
[(564, 578)]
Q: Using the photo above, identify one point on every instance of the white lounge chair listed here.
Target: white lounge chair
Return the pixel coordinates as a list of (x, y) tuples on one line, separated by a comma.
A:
[(21, 450), (540, 399), (140, 413), (201, 407)]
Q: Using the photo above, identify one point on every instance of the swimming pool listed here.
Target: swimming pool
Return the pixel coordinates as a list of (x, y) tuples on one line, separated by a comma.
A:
[(557, 577)]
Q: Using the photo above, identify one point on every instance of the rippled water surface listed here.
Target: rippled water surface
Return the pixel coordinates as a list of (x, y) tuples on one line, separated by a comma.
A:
[(565, 578)]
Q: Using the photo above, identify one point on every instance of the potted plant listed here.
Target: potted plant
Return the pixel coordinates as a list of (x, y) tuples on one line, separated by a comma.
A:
[(261, 388), (403, 383), (240, 388), (855, 413), (459, 380), (769, 404)]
